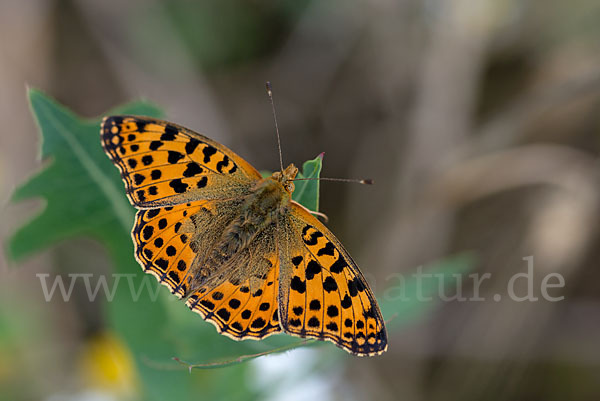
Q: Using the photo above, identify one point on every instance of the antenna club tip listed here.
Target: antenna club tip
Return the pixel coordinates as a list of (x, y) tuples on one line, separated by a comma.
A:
[(367, 181), (269, 89)]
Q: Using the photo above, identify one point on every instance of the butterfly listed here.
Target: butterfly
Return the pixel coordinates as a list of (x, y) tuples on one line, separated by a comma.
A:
[(233, 244)]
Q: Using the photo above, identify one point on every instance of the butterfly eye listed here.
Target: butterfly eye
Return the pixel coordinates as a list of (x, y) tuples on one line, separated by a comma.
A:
[(289, 186)]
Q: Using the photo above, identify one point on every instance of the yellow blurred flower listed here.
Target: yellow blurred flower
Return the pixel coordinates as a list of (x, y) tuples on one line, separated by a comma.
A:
[(107, 366)]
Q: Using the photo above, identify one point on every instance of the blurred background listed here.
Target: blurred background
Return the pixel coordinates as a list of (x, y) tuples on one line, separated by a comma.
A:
[(478, 120)]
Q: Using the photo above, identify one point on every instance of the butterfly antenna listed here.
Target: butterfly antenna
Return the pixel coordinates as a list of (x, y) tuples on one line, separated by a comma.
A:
[(270, 94), (366, 181)]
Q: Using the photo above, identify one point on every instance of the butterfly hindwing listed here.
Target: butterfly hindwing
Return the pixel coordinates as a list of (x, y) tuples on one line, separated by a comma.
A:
[(240, 299), (162, 239), (245, 304), (239, 311), (164, 164), (326, 296)]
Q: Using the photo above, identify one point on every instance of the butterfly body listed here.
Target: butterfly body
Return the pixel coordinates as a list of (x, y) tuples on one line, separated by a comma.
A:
[(264, 204), (235, 245)]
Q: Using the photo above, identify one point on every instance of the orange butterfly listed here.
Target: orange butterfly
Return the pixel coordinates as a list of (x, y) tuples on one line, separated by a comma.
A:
[(235, 245)]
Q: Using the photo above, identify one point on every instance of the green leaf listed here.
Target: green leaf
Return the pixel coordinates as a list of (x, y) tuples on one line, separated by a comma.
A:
[(78, 183), (307, 192), (407, 299)]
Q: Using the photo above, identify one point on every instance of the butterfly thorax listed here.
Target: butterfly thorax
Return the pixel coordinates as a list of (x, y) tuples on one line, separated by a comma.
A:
[(269, 197)]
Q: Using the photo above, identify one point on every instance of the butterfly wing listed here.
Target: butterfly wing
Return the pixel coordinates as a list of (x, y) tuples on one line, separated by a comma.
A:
[(323, 293), (164, 164), (244, 305), (169, 244), (166, 244)]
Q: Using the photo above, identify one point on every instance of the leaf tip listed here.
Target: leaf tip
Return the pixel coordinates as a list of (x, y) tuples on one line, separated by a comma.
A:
[(33, 93)]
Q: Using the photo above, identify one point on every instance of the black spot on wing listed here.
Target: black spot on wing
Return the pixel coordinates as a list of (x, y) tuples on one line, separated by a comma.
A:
[(154, 145), (207, 304), (332, 311), (155, 174), (191, 146), (332, 326), (147, 160), (312, 268), (178, 186), (208, 151), (152, 213), (328, 249), (138, 179), (161, 263), (192, 169), (298, 285), (315, 304), (354, 286), (202, 182), (223, 314), (339, 265), (174, 156), (329, 284), (222, 164), (258, 323), (174, 276), (170, 133), (346, 302), (313, 239)]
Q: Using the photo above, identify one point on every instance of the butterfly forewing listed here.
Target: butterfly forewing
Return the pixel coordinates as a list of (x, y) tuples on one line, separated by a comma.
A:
[(164, 164)]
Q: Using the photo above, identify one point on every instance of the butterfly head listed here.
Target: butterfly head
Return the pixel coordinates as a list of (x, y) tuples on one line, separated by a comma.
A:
[(286, 177)]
